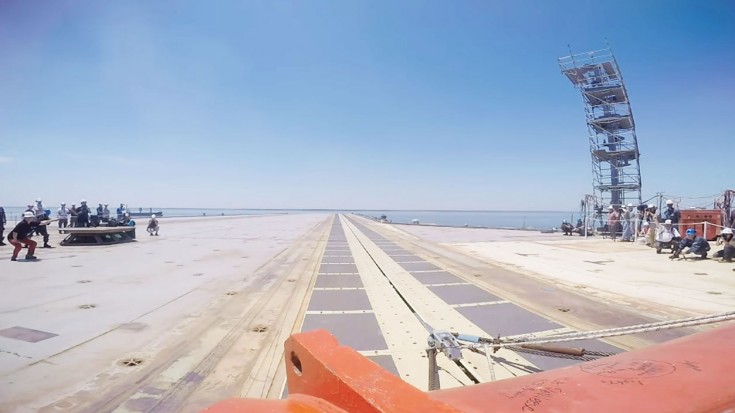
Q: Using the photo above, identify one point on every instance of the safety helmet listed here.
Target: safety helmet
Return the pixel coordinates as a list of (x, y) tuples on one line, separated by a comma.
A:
[(669, 202), (646, 224), (651, 206), (691, 231), (30, 205), (84, 201), (29, 214), (668, 221), (38, 200), (63, 203), (630, 205), (610, 207), (153, 216), (726, 231)]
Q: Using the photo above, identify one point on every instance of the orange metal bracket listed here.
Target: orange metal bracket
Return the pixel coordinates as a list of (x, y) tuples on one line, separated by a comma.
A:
[(691, 374)]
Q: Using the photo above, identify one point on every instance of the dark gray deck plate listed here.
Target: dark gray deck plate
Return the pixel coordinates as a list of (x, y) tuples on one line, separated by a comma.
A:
[(339, 300), (463, 294), (405, 258), (338, 281), (338, 269), (387, 363), (420, 266), (359, 331), (436, 277), (506, 319), (338, 260), (28, 335), (548, 363)]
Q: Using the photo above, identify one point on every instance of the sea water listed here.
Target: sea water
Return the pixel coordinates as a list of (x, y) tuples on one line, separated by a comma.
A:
[(482, 219)]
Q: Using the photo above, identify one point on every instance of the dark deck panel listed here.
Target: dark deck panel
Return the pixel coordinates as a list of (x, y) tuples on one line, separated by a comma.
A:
[(506, 319), (436, 277), (385, 362), (338, 281), (339, 300), (463, 294), (341, 259), (337, 269), (402, 258), (359, 331), (420, 266)]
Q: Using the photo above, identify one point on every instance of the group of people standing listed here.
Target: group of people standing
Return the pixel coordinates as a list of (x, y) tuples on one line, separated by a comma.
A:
[(37, 217), (661, 231), (81, 216)]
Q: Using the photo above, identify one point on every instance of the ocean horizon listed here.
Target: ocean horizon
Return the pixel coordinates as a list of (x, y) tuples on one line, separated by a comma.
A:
[(454, 218)]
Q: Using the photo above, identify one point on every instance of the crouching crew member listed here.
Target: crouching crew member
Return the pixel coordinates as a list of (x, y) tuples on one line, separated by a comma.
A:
[(20, 235), (693, 244), (153, 225), (727, 253)]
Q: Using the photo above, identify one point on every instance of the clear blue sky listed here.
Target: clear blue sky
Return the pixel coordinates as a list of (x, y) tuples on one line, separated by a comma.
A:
[(351, 104)]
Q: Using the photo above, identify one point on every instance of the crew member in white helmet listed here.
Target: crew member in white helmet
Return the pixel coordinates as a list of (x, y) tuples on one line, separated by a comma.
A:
[(670, 213), (153, 225), (83, 214), (20, 235), (41, 215), (728, 252), (63, 215), (628, 218), (105, 214)]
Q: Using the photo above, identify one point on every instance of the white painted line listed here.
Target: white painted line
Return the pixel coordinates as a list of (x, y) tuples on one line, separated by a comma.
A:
[(447, 284)]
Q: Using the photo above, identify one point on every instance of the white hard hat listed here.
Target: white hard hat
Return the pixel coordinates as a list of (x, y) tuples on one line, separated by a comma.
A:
[(646, 224), (651, 206), (610, 207), (669, 202), (38, 200), (63, 203), (29, 214), (153, 216), (668, 221), (630, 205), (84, 201), (726, 231)]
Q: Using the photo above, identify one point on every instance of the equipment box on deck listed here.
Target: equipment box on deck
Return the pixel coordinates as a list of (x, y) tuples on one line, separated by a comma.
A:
[(694, 218)]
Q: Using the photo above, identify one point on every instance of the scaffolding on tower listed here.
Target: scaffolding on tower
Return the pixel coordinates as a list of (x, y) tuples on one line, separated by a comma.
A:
[(612, 138)]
